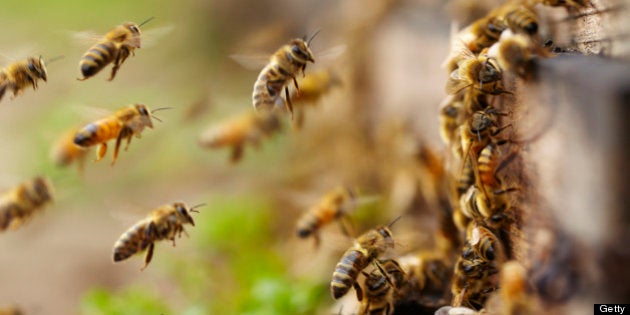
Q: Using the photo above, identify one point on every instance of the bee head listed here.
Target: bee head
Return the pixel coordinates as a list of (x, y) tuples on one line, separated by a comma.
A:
[(182, 213), (134, 29), (300, 50), (37, 67), (145, 115), (480, 121), (490, 71)]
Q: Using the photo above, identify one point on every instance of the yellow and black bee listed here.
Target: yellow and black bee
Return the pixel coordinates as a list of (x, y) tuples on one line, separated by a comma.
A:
[(164, 223), (22, 74), (20, 203)]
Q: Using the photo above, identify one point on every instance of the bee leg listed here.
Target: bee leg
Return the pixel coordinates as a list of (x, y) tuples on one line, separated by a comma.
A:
[(289, 104), (100, 152), (120, 58), (148, 257), (316, 240), (128, 143), (237, 153), (384, 273), (124, 133), (358, 289)]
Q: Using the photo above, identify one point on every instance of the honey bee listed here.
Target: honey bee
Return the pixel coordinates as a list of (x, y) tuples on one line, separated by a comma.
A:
[(514, 290), (65, 151), (451, 111), (116, 46), (123, 124), (482, 33), (20, 203), (334, 205), (240, 130), (285, 64), (514, 53), (480, 74), (428, 276), (379, 295), (163, 223), (476, 269), (10, 310), (366, 249), (22, 74), (517, 16), (313, 86)]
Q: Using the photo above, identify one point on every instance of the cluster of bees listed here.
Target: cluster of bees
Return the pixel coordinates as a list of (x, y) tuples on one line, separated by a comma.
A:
[(472, 261)]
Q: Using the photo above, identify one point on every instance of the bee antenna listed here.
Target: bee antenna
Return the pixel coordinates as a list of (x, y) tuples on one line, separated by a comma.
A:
[(54, 58), (313, 36), (161, 108), (394, 221), (193, 208), (146, 21), (155, 117)]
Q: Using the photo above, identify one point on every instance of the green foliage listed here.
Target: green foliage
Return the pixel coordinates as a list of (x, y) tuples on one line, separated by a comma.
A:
[(134, 300)]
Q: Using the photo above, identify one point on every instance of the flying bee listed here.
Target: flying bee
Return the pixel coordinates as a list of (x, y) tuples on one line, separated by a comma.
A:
[(10, 310), (313, 86), (366, 249), (123, 124), (334, 205), (22, 74), (116, 46), (163, 223), (66, 152), (378, 294), (239, 131), (285, 64), (20, 203)]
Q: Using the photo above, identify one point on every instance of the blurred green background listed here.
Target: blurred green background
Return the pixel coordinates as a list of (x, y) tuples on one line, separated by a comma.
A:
[(242, 257)]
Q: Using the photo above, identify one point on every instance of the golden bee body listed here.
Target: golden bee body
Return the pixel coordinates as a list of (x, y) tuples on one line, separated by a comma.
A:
[(117, 44), (123, 124), (22, 74), (284, 65), (240, 130), (334, 205), (367, 247), (164, 223), (20, 203)]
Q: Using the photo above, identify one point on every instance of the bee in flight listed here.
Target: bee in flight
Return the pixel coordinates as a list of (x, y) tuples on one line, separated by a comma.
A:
[(240, 130), (21, 202), (366, 249), (22, 74), (334, 205), (313, 87), (115, 46), (163, 223), (123, 124), (66, 152), (284, 65)]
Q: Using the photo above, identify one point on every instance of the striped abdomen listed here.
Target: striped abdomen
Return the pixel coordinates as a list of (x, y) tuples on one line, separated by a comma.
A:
[(268, 86), (132, 241), (346, 272), (315, 218), (522, 19), (487, 164), (9, 213), (97, 57), (98, 132)]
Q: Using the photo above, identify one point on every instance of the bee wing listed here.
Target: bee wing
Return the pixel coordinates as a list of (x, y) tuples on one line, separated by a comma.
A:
[(456, 83), (330, 54), (83, 38), (20, 53), (152, 36), (251, 61)]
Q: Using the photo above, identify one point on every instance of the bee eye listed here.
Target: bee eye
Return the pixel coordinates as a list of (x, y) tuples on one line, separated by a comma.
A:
[(134, 29), (31, 67)]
